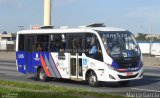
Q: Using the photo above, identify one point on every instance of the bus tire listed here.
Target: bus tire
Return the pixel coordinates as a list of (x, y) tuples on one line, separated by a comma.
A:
[(124, 83), (92, 79), (42, 75)]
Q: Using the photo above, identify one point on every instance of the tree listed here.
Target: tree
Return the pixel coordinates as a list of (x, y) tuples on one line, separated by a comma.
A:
[(4, 32), (141, 37)]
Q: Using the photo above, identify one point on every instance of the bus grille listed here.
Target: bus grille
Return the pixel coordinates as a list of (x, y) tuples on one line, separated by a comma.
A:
[(128, 65), (127, 77)]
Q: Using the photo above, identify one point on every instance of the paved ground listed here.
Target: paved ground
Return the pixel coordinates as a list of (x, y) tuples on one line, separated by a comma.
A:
[(7, 56)]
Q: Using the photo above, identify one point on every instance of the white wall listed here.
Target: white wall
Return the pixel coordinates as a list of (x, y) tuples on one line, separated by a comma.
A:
[(145, 48), (3, 44)]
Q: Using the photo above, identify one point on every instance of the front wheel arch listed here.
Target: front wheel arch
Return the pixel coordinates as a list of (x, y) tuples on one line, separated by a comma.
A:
[(91, 78), (87, 73), (37, 73), (40, 70)]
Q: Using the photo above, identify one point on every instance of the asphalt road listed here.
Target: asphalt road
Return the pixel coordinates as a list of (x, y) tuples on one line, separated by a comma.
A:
[(150, 82)]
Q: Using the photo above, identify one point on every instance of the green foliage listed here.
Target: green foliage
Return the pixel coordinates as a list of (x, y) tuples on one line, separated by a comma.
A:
[(35, 90), (37, 86), (141, 37)]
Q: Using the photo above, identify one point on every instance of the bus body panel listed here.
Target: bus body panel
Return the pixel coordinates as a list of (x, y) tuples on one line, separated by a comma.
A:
[(60, 68), (21, 58), (35, 61), (97, 66), (29, 66), (61, 64)]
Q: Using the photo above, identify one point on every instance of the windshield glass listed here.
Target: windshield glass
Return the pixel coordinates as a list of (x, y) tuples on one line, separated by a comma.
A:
[(120, 44)]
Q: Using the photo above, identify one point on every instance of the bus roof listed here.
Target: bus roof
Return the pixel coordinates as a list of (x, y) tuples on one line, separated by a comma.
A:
[(108, 29), (65, 30)]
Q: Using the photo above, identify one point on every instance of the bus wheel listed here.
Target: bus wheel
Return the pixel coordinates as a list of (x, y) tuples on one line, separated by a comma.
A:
[(92, 79), (123, 83), (42, 75)]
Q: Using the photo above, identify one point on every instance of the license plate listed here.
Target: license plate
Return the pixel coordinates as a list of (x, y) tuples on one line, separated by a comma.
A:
[(129, 73)]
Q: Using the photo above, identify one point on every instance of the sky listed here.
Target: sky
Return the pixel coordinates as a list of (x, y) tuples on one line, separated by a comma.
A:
[(137, 16)]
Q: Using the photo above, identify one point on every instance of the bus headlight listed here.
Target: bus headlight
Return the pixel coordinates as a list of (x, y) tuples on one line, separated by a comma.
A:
[(110, 67)]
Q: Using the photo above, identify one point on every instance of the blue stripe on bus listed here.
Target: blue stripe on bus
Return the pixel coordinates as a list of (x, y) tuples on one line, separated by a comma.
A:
[(54, 66), (137, 67), (115, 65), (49, 66)]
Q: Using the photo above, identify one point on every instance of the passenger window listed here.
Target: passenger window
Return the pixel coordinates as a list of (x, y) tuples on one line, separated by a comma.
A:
[(93, 49), (39, 47), (57, 42), (42, 42), (21, 43)]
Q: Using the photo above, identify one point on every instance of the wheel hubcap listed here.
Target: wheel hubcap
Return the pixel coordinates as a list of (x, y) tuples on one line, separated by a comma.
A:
[(92, 79), (41, 75)]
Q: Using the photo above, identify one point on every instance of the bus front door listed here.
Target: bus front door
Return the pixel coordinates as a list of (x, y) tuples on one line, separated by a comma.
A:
[(76, 47)]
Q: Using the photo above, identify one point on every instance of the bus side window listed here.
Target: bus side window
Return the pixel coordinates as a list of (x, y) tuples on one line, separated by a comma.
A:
[(57, 42), (38, 47), (81, 42), (42, 42), (93, 49), (21, 43)]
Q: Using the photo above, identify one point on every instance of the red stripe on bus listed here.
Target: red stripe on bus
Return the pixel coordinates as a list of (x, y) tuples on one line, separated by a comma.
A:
[(44, 66)]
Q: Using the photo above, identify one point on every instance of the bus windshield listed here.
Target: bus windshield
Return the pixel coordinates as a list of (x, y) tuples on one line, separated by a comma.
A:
[(120, 44)]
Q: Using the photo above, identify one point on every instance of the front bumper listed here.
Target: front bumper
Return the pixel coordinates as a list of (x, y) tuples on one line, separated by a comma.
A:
[(114, 76)]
